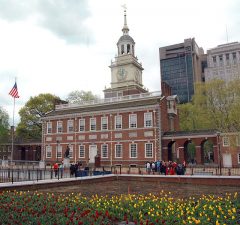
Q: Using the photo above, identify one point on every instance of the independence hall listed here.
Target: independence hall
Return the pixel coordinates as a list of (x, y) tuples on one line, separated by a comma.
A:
[(124, 128)]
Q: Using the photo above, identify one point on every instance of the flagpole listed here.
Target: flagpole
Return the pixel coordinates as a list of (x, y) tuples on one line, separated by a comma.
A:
[(13, 130)]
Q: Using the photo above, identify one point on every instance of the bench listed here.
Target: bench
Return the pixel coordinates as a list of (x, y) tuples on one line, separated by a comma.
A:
[(203, 173)]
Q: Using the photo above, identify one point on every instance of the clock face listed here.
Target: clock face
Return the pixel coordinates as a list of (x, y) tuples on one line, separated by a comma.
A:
[(122, 73)]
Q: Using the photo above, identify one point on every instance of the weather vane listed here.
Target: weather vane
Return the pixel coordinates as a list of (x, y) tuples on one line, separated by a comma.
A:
[(125, 7)]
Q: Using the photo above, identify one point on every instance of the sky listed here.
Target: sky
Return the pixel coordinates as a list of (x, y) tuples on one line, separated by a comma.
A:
[(60, 46)]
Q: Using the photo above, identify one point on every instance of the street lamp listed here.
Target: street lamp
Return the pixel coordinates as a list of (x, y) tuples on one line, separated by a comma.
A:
[(219, 153)]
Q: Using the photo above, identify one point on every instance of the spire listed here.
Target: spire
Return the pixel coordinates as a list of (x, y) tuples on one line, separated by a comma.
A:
[(125, 28)]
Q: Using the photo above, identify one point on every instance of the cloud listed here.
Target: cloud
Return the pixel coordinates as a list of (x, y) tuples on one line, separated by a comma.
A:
[(66, 19)]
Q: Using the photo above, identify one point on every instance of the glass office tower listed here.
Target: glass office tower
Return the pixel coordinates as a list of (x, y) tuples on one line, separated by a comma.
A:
[(181, 68)]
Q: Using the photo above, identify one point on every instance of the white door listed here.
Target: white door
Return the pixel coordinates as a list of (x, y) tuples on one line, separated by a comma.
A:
[(227, 160), (92, 153)]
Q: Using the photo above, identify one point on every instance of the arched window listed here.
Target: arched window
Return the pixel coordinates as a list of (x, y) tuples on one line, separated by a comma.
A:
[(128, 48), (122, 49)]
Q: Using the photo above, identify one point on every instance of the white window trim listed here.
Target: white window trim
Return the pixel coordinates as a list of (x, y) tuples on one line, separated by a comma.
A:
[(59, 122), (120, 118), (68, 126), (225, 141), (79, 148), (102, 151), (49, 127), (145, 119), (83, 125), (48, 150), (91, 123), (130, 151), (102, 124), (116, 151), (132, 117), (59, 151), (146, 150)]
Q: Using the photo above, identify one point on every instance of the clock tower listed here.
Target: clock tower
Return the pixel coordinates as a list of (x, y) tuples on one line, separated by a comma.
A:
[(126, 71)]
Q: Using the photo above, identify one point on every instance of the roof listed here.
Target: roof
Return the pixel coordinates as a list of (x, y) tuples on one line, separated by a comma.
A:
[(193, 132), (125, 37)]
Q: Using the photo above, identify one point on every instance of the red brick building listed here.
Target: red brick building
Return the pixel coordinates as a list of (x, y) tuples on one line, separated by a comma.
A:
[(130, 125), (124, 128)]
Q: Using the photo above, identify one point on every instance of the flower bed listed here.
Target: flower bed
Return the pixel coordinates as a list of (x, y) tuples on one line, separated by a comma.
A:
[(40, 208)]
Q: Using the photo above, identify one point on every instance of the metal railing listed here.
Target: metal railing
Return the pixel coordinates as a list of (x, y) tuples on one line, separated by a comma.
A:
[(20, 175)]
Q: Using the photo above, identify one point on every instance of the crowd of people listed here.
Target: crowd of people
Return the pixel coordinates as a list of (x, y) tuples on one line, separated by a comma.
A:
[(166, 168)]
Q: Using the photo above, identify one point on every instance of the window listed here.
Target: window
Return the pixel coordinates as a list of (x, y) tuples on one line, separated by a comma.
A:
[(104, 123), (104, 151), (132, 120), (70, 125), (225, 141), (128, 48), (81, 151), (133, 150), (220, 58), (148, 150), (49, 127), (118, 122), (238, 140), (82, 125), (148, 119), (118, 151), (59, 151), (70, 151), (122, 49), (238, 158), (214, 59), (234, 56), (227, 56), (59, 126), (92, 124), (48, 152)]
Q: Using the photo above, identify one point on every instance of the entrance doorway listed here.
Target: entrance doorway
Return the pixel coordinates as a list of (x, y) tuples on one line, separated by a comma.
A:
[(227, 160), (92, 153)]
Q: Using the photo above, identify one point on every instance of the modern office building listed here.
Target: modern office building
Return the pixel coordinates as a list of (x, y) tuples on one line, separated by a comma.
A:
[(223, 62), (181, 66)]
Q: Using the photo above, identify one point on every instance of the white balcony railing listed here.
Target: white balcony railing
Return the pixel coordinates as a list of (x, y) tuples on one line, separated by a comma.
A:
[(109, 100)]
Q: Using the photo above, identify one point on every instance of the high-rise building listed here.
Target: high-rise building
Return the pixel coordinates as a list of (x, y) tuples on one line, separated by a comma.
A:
[(181, 66), (223, 62)]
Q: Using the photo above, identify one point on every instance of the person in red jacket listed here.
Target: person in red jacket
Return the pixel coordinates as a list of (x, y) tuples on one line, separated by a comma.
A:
[(55, 168)]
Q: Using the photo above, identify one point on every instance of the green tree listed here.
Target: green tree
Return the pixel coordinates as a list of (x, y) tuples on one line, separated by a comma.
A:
[(215, 105), (30, 126), (191, 150), (4, 125), (81, 96), (208, 149)]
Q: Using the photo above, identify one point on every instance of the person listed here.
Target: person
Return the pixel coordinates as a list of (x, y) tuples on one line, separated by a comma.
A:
[(55, 168), (148, 167), (72, 170), (61, 167), (67, 152)]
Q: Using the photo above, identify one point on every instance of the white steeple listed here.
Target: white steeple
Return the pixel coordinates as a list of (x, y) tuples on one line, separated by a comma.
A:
[(125, 43)]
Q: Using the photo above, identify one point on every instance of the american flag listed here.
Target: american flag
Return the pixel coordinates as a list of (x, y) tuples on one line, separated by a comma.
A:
[(14, 91)]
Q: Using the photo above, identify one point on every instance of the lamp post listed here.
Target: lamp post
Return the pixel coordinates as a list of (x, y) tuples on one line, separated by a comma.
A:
[(57, 149), (219, 153)]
